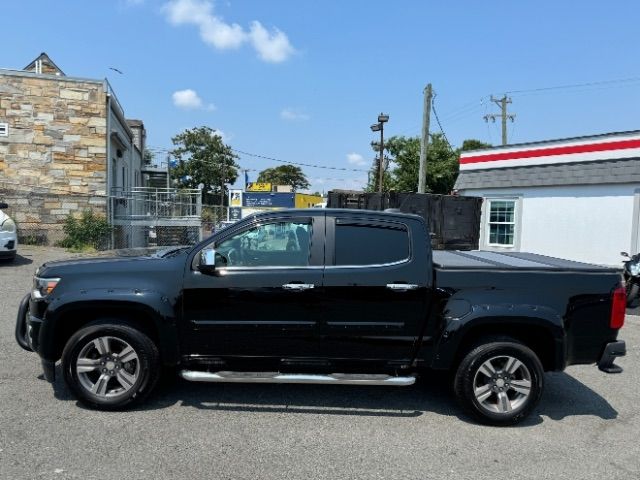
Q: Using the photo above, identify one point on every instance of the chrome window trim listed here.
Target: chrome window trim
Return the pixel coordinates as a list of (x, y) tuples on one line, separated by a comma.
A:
[(371, 265), (280, 267)]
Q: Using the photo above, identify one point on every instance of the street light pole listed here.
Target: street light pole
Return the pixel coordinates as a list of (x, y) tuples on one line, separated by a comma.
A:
[(382, 119), (381, 163)]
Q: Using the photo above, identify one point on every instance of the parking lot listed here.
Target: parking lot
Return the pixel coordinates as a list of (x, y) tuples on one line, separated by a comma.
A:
[(587, 425)]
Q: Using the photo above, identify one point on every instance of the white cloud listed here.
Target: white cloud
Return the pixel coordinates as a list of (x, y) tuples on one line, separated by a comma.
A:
[(190, 100), (293, 115), (273, 47), (356, 159), (225, 137)]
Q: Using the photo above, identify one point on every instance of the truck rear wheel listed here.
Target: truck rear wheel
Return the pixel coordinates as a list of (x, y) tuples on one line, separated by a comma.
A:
[(110, 365), (500, 382)]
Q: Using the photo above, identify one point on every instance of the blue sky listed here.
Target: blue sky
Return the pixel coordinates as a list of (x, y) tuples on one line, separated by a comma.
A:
[(302, 81)]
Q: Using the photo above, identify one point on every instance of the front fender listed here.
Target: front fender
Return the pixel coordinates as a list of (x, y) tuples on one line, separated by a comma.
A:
[(140, 305), (463, 321)]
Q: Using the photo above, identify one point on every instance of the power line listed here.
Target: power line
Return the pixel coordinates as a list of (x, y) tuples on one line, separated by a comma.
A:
[(577, 85), (273, 159), (264, 157), (435, 113)]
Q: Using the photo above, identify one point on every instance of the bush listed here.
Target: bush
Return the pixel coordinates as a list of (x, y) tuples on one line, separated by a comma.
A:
[(89, 232)]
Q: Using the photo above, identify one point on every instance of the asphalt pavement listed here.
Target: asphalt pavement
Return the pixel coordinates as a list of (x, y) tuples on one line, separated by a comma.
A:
[(587, 425)]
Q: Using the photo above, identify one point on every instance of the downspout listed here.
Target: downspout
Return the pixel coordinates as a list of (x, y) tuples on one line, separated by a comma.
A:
[(109, 166)]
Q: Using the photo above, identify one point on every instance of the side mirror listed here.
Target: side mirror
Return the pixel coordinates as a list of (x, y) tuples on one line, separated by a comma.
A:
[(207, 263), (3, 205), (624, 254)]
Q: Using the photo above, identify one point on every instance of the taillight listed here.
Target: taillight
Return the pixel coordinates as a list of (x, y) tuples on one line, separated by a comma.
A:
[(618, 307)]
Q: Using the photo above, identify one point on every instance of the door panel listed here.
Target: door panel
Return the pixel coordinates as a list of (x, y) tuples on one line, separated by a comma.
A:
[(264, 298), (375, 290)]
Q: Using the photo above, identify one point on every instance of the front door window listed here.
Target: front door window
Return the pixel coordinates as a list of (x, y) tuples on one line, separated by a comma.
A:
[(281, 244)]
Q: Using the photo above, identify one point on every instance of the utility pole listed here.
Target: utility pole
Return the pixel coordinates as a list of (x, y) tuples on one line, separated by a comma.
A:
[(502, 103), (424, 142)]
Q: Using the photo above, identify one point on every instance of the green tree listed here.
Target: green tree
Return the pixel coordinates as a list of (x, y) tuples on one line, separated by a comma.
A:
[(147, 157), (442, 163), (284, 175), (473, 144), (405, 152), (203, 159)]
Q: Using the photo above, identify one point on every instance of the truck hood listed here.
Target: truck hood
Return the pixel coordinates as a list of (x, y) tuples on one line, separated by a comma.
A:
[(108, 260)]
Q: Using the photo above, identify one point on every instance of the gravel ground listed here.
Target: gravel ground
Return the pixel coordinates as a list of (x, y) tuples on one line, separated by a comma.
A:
[(587, 425)]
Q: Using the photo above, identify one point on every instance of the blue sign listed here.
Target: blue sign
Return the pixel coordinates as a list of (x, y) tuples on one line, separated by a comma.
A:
[(268, 199)]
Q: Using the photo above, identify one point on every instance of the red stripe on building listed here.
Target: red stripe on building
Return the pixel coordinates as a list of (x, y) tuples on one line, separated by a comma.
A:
[(547, 152)]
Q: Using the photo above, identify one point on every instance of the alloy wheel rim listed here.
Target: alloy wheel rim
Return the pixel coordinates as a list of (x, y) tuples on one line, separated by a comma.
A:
[(502, 385), (107, 367)]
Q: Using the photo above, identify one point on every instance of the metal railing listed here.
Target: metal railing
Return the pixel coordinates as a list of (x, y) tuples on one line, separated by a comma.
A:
[(141, 203)]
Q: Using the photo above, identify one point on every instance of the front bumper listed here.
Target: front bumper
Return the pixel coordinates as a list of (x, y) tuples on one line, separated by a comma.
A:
[(24, 332), (612, 351), (28, 335)]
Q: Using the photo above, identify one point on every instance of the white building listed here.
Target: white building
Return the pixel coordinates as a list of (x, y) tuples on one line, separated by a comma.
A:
[(575, 198)]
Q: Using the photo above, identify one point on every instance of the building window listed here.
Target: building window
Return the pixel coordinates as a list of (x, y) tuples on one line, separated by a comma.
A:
[(502, 223), (4, 129)]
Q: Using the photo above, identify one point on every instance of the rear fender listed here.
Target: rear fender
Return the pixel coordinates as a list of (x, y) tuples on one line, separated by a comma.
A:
[(463, 325)]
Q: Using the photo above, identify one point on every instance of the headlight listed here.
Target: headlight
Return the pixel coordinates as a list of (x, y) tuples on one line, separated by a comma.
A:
[(43, 286), (8, 226), (634, 269)]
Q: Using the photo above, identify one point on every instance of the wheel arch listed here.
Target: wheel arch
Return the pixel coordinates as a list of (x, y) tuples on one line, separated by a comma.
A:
[(543, 336), (68, 319)]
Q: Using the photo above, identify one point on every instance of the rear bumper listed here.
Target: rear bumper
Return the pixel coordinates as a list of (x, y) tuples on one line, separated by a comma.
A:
[(611, 351), (8, 245), (7, 254)]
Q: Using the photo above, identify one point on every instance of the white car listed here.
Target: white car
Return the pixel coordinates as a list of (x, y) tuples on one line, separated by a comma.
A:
[(8, 235)]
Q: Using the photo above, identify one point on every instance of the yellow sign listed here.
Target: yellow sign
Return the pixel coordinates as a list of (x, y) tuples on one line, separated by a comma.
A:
[(258, 187), (235, 198)]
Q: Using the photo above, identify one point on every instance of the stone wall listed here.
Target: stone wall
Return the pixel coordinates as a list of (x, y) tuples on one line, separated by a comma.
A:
[(53, 162)]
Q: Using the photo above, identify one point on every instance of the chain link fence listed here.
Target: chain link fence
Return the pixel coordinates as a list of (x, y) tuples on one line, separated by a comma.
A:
[(127, 233)]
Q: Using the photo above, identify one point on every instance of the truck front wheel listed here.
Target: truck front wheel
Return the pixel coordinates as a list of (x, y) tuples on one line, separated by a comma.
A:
[(500, 382), (110, 365)]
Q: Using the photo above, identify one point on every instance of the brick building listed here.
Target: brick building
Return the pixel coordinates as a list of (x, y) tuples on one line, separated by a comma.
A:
[(65, 146)]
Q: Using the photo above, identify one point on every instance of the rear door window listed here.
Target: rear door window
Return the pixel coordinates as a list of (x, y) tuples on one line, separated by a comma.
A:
[(370, 244)]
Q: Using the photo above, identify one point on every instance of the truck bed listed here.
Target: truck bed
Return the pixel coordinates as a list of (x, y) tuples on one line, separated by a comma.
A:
[(485, 260)]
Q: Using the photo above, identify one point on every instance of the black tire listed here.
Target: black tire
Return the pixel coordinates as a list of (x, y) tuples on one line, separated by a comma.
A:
[(510, 396), (132, 376), (633, 289)]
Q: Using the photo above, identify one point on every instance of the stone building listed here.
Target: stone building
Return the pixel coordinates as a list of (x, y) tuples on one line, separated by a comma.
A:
[(65, 146)]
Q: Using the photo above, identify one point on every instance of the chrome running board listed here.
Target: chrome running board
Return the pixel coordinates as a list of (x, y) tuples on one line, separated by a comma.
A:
[(275, 377)]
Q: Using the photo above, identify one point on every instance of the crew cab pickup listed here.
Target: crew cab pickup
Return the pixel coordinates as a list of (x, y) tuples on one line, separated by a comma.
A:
[(323, 296)]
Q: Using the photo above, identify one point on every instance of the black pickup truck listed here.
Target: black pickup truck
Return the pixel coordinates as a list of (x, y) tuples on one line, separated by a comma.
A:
[(323, 296)]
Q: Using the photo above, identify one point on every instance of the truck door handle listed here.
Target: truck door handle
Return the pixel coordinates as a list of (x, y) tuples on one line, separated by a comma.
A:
[(298, 287), (401, 287)]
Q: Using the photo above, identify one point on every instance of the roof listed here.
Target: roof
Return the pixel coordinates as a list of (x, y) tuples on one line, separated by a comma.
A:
[(612, 146), (586, 173), (47, 61), (600, 136)]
